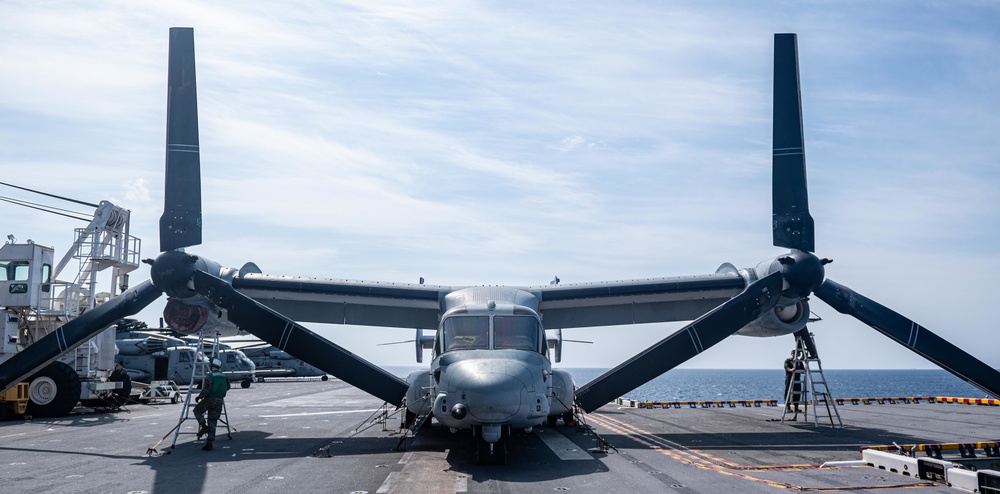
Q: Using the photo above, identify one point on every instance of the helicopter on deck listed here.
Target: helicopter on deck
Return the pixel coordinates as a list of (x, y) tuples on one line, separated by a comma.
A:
[(155, 355)]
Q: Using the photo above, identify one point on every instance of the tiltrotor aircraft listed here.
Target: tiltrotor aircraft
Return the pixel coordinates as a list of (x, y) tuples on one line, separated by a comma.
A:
[(491, 371)]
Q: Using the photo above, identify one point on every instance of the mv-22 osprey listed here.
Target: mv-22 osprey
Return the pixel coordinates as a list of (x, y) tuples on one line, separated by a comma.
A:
[(491, 371)]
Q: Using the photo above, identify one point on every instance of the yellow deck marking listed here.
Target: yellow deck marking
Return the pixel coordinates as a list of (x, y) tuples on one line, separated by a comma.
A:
[(705, 461)]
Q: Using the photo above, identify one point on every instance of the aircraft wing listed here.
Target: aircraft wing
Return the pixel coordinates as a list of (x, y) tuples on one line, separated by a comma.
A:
[(364, 303), (682, 298), (572, 305)]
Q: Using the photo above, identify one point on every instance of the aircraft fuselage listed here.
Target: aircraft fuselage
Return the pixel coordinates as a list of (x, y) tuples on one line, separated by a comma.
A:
[(491, 371)]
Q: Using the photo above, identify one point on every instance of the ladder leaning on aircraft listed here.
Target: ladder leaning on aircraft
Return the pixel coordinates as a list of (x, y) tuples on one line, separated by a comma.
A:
[(491, 370)]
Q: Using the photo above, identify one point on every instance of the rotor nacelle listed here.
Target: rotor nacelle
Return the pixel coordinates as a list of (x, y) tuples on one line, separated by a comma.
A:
[(172, 272), (787, 317), (188, 312), (802, 272)]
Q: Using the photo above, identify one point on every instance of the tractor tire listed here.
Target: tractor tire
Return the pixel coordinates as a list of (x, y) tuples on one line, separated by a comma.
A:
[(53, 391)]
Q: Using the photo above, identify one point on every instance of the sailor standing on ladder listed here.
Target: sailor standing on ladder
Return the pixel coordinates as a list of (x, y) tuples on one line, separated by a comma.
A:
[(793, 395), (211, 400)]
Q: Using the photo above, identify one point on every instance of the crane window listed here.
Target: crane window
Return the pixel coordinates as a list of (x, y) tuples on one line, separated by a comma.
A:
[(515, 332), (46, 277), (466, 333), (14, 270)]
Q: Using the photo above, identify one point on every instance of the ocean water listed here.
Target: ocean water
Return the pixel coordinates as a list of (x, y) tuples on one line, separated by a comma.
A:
[(768, 384)]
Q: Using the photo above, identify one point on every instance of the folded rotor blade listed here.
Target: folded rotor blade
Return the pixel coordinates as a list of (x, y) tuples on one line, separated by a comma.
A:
[(791, 222), (911, 335), (290, 337), (72, 334), (687, 342), (180, 224)]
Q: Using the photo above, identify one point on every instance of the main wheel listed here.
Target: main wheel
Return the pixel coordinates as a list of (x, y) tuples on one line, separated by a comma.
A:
[(53, 391), (245, 383)]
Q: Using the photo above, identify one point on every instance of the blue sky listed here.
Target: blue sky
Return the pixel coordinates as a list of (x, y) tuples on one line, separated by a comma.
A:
[(506, 143)]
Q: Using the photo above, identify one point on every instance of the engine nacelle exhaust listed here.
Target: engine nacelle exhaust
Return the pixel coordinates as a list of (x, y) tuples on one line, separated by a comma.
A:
[(186, 311), (189, 316), (785, 318)]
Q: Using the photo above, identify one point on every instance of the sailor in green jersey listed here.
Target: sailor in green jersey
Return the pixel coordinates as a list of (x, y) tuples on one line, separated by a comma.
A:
[(210, 400)]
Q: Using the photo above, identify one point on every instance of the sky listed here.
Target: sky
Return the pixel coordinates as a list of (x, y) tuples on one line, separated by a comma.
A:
[(505, 143)]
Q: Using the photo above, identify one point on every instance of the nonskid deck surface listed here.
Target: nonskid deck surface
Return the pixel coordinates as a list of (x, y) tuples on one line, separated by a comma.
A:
[(299, 437)]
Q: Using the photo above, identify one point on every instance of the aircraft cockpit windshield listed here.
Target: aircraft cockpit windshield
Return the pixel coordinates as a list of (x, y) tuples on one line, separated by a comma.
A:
[(473, 333), (516, 332), (466, 333)]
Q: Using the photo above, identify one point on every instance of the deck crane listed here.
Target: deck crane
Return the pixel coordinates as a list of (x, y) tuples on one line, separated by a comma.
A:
[(36, 302)]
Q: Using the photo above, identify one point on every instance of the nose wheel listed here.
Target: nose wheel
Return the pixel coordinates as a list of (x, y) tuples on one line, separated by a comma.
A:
[(491, 453)]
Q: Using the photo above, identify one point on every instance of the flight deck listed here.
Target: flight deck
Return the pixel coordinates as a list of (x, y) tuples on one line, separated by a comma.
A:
[(315, 436)]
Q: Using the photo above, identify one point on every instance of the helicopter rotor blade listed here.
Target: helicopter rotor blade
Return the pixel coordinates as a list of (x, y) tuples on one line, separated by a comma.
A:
[(293, 338), (911, 335), (180, 224), (792, 224)]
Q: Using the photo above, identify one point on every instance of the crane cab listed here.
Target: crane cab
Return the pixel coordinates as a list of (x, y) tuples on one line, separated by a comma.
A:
[(25, 275)]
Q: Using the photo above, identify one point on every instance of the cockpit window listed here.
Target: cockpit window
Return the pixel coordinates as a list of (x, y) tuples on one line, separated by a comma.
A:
[(466, 333), (516, 332)]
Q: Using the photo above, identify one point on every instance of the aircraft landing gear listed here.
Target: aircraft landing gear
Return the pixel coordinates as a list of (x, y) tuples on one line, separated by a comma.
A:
[(491, 453)]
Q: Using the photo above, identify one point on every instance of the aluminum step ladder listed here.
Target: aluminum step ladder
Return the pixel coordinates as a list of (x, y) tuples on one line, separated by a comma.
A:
[(205, 366), (808, 387)]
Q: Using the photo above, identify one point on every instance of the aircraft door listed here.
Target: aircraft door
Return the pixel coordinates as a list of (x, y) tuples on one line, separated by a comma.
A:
[(160, 368)]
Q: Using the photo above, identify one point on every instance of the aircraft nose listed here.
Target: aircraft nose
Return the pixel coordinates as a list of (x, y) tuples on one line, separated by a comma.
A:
[(493, 391)]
